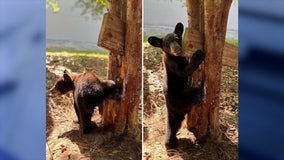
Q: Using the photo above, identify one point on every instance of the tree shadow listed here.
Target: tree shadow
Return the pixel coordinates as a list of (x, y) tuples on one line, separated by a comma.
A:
[(206, 148), (102, 143), (146, 107), (49, 121), (50, 77)]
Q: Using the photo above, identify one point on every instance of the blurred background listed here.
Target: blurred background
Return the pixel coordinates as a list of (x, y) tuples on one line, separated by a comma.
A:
[(22, 79), (74, 25), (160, 20), (261, 87)]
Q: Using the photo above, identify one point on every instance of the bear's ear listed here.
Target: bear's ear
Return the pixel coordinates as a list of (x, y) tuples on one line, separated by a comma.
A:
[(156, 42), (67, 71), (67, 77), (179, 29)]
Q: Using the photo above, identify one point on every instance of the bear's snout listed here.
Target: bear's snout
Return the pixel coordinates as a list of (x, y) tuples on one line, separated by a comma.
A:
[(176, 49), (55, 92)]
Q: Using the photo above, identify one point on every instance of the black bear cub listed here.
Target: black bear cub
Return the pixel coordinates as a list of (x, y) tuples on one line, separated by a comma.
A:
[(88, 92), (180, 96)]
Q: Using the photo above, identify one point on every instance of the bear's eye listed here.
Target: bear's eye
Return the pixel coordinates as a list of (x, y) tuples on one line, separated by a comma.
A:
[(176, 38), (167, 44)]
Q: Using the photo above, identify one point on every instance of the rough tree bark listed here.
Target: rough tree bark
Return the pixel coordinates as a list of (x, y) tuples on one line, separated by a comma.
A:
[(132, 67), (110, 107), (210, 18), (126, 68)]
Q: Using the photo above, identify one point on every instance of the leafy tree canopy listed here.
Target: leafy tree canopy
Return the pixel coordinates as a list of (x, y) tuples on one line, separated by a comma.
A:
[(53, 4), (92, 7)]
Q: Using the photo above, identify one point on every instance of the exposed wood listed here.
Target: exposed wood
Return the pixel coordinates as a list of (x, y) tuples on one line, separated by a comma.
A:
[(125, 62), (195, 122), (204, 120), (133, 67), (112, 33), (110, 106), (193, 40), (115, 62), (217, 11), (194, 7)]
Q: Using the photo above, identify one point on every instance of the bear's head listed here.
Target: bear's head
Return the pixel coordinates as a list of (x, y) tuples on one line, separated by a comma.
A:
[(64, 85), (171, 43)]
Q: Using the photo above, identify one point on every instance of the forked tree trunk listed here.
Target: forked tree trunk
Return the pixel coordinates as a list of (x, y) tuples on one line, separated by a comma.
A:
[(124, 65), (210, 18)]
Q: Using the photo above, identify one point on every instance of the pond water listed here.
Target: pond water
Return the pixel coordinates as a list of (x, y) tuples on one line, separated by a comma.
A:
[(68, 29), (162, 19)]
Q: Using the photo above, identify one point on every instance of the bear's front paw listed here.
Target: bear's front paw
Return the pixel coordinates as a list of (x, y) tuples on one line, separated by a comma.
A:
[(76, 121), (198, 56), (89, 128), (201, 96), (171, 143)]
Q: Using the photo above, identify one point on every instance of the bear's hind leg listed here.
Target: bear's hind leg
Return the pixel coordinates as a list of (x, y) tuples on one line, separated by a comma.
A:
[(173, 125), (86, 124), (85, 114), (77, 113)]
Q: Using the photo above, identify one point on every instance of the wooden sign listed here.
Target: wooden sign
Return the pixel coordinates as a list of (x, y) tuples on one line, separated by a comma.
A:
[(193, 40), (112, 34), (230, 55)]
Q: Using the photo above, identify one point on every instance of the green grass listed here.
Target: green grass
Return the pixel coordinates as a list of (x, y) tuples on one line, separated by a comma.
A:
[(104, 55), (233, 41), (78, 53), (145, 39)]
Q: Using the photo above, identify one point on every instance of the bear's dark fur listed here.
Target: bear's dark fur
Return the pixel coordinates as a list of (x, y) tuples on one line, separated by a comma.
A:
[(180, 96), (88, 92)]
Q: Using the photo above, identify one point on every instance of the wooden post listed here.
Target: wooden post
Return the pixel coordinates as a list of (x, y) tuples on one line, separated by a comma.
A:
[(195, 21), (121, 33), (132, 67), (115, 62), (210, 19)]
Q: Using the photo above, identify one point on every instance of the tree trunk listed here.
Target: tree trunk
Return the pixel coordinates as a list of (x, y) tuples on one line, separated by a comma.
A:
[(132, 67), (110, 107), (210, 18), (126, 68)]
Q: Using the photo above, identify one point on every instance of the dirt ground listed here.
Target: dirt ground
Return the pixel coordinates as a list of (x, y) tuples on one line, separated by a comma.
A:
[(63, 138), (188, 148)]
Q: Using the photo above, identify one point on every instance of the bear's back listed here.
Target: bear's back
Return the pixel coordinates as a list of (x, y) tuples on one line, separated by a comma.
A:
[(88, 83)]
